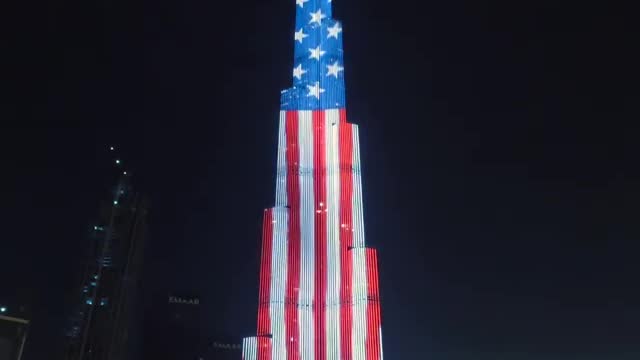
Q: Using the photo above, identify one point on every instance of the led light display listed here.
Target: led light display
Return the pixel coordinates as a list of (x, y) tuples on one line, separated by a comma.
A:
[(318, 292)]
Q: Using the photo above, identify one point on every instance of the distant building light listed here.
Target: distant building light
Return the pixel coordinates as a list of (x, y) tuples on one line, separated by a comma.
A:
[(3, 309), (89, 301), (115, 202), (118, 162), (111, 148), (125, 173)]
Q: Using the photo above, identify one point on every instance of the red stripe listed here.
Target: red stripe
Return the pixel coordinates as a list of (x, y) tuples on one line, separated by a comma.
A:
[(293, 251), (264, 319), (346, 235), (320, 229), (373, 307)]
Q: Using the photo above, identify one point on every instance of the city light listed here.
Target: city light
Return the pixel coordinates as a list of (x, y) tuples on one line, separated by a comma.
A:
[(3, 309)]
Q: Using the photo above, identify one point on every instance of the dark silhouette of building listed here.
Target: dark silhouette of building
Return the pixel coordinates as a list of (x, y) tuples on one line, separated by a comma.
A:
[(106, 323), (174, 327), (223, 350), (14, 326)]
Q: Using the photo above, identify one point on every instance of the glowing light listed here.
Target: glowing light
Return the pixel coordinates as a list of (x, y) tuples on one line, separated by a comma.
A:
[(111, 148), (118, 162), (315, 253), (3, 309)]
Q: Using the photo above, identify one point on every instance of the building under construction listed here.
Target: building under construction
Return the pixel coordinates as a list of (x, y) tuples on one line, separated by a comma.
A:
[(107, 320)]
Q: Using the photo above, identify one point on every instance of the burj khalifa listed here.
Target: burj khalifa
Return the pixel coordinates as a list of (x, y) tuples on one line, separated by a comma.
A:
[(318, 289)]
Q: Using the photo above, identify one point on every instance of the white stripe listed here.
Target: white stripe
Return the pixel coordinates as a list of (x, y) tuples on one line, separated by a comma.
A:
[(359, 304), (249, 348), (281, 172), (358, 222), (307, 236), (332, 213), (279, 282), (359, 292), (380, 332)]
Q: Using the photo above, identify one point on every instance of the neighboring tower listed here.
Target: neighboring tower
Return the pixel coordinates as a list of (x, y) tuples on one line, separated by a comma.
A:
[(13, 330), (107, 319), (173, 327), (319, 296)]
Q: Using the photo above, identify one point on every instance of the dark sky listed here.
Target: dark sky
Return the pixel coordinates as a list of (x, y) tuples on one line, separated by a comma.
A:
[(499, 144)]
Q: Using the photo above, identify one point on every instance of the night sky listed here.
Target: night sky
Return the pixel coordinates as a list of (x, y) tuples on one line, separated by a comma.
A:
[(499, 144)]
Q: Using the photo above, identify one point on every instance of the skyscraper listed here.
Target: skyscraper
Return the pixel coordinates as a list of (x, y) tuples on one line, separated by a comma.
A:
[(318, 296), (106, 321), (173, 327)]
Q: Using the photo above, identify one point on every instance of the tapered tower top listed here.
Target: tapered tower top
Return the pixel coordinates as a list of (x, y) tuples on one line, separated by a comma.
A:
[(318, 69)]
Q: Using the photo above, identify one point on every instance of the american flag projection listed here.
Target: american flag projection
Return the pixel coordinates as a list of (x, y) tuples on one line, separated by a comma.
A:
[(319, 297)]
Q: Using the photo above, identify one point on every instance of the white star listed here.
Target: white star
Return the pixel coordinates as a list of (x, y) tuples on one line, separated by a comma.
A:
[(315, 90), (334, 31), (317, 17), (298, 71), (334, 69), (301, 2), (300, 35), (316, 53)]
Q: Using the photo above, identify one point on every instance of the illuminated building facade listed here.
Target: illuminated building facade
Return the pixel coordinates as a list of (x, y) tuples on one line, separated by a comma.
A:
[(318, 292)]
